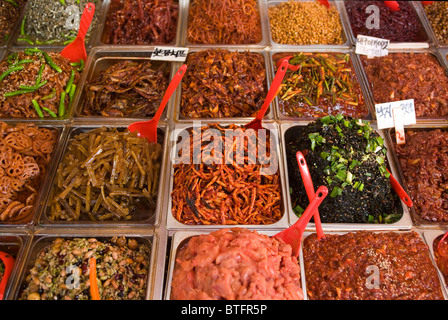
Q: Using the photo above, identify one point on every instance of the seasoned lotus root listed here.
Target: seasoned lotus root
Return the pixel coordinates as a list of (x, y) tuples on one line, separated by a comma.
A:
[(18, 141), (25, 152)]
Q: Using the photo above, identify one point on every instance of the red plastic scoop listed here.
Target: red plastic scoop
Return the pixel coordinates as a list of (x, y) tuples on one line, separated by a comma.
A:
[(400, 191), (308, 182), (76, 50), (293, 235), (441, 240), (8, 261), (325, 3), (425, 3), (290, 66), (148, 129), (273, 91), (392, 5)]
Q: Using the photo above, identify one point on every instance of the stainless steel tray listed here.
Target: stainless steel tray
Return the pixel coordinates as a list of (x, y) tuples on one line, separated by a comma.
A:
[(43, 238), (177, 114), (431, 51), (179, 236), (99, 40), (416, 219), (404, 223), (354, 59), (147, 218), (263, 42), (347, 43), (306, 234), (14, 244), (426, 42), (427, 24), (99, 60), (430, 236), (99, 12), (173, 224), (43, 188)]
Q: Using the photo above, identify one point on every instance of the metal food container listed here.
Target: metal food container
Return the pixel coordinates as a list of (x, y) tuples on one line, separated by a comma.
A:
[(431, 51), (417, 220), (70, 108), (43, 238), (347, 43), (425, 42), (99, 13), (14, 244), (354, 61), (173, 224), (184, 30), (100, 41), (145, 217), (404, 223), (420, 233), (420, 8), (99, 60), (177, 97), (44, 185), (430, 236), (179, 238), (15, 24)]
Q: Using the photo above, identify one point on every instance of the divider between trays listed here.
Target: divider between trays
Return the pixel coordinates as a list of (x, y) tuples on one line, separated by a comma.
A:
[(404, 223)]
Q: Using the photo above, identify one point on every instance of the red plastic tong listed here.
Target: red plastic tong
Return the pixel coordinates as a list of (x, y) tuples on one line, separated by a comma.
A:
[(8, 261)]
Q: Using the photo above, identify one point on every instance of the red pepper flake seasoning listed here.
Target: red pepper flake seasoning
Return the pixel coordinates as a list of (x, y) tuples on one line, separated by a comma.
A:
[(220, 83), (224, 22), (423, 160), (323, 84), (370, 266), (401, 76)]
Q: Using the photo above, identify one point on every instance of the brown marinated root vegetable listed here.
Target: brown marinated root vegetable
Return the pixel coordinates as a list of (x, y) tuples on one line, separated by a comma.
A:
[(106, 175)]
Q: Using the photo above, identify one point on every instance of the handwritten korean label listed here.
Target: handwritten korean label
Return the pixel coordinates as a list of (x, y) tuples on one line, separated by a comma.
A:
[(371, 46), (396, 115), (385, 116), (169, 54)]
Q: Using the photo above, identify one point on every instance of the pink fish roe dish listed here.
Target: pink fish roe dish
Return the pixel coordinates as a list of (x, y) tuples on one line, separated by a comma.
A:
[(235, 264)]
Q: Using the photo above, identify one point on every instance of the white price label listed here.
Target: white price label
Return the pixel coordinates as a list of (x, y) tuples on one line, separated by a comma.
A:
[(385, 113), (169, 54), (371, 46)]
